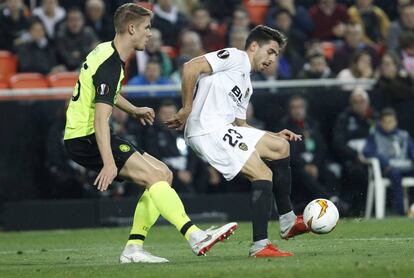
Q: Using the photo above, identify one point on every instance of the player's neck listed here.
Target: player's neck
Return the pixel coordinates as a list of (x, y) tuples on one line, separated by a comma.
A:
[(250, 55), (124, 49)]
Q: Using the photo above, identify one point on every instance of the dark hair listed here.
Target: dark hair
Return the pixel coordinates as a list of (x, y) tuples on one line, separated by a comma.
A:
[(394, 58), (281, 11), (35, 20), (199, 7), (242, 9), (406, 40), (127, 13), (167, 102), (263, 34), (354, 60), (154, 60), (74, 9), (388, 111), (298, 97)]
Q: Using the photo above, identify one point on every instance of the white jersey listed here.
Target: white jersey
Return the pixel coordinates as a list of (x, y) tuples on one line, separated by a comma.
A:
[(222, 96)]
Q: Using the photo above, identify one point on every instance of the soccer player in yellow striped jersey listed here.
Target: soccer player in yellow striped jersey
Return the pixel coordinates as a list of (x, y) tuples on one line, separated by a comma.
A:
[(89, 141)]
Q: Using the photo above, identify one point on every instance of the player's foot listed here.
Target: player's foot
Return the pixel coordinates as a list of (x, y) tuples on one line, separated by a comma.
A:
[(269, 250), (202, 241), (298, 227), (136, 254)]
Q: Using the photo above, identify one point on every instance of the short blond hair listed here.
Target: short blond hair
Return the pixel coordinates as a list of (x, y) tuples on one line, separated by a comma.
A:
[(128, 13)]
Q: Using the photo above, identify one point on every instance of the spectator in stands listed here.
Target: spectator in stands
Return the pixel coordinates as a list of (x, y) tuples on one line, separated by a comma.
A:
[(237, 38), (36, 54), (240, 22), (152, 50), (360, 67), (270, 74), (282, 20), (176, 75), (394, 148), (315, 68), (405, 23), (310, 174), (394, 83), (202, 24), (169, 21), (98, 21), (374, 21), (51, 14), (301, 21), (190, 45), (168, 146), (75, 40), (221, 10), (13, 23), (349, 136), (353, 43), (151, 76), (329, 19), (407, 51)]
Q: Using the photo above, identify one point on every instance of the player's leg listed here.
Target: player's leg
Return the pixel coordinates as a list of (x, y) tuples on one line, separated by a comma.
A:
[(276, 151), (146, 214), (261, 178), (140, 170)]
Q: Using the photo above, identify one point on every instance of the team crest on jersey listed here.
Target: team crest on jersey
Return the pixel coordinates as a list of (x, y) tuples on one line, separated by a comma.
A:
[(102, 89), (243, 147), (223, 54), (124, 148)]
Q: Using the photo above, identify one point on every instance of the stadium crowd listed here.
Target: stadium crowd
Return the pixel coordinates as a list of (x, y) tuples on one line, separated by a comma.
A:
[(347, 40)]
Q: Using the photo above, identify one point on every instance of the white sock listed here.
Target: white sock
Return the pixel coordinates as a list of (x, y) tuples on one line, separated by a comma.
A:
[(261, 243), (286, 220), (132, 248)]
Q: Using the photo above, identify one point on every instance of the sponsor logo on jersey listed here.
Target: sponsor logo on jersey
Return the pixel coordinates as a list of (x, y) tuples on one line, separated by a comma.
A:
[(223, 54), (102, 89), (236, 95), (124, 148), (243, 147)]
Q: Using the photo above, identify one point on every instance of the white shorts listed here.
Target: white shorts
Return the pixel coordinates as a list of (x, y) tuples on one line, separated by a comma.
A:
[(226, 149)]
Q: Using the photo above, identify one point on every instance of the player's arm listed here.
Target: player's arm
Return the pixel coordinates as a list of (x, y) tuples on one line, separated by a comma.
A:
[(103, 139), (191, 71), (286, 134), (145, 115)]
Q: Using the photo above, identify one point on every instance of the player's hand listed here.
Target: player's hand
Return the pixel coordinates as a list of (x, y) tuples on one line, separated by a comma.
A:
[(179, 119), (145, 115), (289, 135), (106, 177)]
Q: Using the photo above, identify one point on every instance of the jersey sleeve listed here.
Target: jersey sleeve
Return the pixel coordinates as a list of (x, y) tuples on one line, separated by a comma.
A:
[(105, 81), (224, 59), (242, 108)]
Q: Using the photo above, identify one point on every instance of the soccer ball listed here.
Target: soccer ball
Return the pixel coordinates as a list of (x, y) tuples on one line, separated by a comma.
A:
[(321, 216)]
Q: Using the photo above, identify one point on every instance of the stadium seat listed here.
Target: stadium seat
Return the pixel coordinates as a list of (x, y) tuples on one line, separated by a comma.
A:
[(8, 64), (28, 81), (377, 189), (4, 84), (63, 79)]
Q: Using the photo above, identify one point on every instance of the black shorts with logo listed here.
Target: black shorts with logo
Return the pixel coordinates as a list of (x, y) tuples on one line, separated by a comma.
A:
[(85, 151)]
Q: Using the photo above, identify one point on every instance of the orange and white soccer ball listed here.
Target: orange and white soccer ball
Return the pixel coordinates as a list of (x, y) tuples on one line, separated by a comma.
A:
[(321, 216)]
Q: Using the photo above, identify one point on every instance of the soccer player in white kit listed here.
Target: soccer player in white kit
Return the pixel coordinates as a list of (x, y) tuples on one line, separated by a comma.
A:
[(216, 90)]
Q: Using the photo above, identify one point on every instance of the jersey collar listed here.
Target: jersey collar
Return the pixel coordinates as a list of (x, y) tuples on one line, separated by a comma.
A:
[(117, 54)]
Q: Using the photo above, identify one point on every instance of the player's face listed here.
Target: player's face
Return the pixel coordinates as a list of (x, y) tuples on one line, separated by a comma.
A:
[(141, 33), (265, 55)]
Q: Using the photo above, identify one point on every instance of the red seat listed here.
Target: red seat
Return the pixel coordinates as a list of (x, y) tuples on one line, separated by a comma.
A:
[(28, 81), (4, 84), (63, 79), (8, 64)]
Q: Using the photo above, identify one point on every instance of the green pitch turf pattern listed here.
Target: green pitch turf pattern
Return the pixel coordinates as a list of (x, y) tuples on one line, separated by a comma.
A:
[(356, 248)]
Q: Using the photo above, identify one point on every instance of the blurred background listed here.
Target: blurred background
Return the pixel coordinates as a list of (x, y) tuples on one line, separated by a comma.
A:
[(345, 82)]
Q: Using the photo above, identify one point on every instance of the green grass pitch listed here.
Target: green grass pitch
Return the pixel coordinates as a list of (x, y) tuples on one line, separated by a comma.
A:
[(356, 248)]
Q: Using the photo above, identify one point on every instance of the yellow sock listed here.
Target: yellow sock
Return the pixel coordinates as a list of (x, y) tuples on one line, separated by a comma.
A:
[(146, 214), (171, 208)]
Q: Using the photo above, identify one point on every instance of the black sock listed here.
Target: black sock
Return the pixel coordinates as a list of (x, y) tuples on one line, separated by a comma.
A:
[(261, 206), (281, 184)]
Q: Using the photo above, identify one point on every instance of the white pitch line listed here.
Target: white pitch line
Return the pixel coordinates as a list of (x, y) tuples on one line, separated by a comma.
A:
[(101, 248)]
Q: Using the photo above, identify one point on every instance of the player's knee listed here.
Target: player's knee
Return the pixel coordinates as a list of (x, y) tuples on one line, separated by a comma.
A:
[(263, 173), (285, 148)]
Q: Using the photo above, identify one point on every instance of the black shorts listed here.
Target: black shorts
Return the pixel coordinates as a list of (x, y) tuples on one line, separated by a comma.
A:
[(85, 151)]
